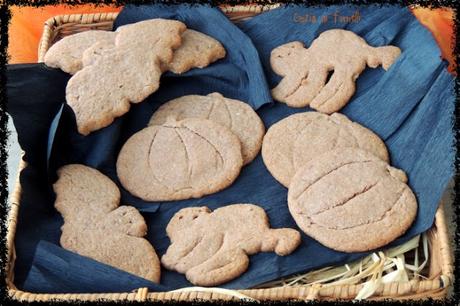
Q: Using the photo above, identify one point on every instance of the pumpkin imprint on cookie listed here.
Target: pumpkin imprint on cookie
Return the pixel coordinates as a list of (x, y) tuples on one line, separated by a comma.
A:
[(295, 140), (351, 201), (179, 160), (238, 116)]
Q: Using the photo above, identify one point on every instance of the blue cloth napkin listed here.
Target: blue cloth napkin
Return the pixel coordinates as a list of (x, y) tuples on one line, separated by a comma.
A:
[(410, 107)]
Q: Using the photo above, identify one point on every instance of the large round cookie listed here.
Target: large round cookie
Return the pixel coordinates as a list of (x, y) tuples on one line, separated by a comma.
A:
[(295, 140), (238, 116), (351, 201), (179, 160)]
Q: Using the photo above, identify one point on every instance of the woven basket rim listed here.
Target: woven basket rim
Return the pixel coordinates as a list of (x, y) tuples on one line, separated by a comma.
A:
[(436, 287)]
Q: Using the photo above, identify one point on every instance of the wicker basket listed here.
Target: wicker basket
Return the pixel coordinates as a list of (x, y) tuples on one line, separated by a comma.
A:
[(440, 267)]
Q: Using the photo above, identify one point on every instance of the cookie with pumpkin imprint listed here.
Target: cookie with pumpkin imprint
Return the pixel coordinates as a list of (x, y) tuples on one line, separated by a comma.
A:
[(351, 201), (179, 160), (238, 116), (295, 140)]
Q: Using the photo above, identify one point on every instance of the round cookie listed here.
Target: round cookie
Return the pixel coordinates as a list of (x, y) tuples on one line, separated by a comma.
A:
[(295, 140), (179, 160), (238, 116), (67, 53), (351, 201)]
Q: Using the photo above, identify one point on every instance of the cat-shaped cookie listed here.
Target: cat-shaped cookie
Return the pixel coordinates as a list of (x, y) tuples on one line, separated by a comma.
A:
[(305, 71), (211, 248)]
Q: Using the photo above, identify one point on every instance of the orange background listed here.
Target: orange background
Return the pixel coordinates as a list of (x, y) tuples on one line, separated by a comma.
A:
[(27, 25)]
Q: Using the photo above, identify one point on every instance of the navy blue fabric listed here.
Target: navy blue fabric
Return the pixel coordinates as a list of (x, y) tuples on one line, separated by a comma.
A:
[(410, 107)]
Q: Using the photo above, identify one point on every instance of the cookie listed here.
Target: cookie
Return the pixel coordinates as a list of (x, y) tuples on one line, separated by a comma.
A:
[(351, 201), (96, 226), (212, 248), (67, 53), (238, 116), (197, 50), (305, 71), (127, 73), (93, 53), (295, 140), (179, 160)]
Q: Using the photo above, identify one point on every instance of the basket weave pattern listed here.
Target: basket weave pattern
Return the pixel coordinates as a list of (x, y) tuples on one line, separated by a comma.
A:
[(440, 265)]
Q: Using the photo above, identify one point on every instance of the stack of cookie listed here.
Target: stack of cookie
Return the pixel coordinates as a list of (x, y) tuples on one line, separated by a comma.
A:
[(342, 191), (113, 69), (194, 146)]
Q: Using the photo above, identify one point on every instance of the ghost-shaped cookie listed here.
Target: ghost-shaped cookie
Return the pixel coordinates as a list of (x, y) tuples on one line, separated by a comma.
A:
[(306, 71), (212, 248), (95, 226)]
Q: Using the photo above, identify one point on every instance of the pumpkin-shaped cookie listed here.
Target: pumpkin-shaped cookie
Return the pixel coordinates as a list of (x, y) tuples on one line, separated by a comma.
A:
[(351, 201), (238, 116), (295, 140), (179, 160)]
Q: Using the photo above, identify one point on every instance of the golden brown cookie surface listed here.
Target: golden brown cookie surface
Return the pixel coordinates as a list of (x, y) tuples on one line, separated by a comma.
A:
[(67, 53), (126, 73), (72, 53), (293, 141), (197, 50)]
